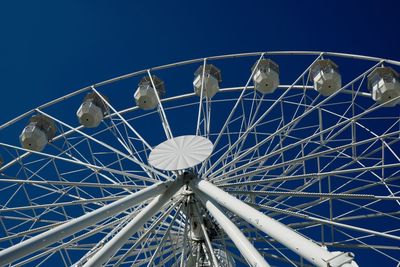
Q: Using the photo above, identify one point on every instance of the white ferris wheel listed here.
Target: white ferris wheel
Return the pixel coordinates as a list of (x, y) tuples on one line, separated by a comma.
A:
[(286, 158)]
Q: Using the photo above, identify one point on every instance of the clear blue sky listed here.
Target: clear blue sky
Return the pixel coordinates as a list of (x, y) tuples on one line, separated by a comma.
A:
[(51, 48)]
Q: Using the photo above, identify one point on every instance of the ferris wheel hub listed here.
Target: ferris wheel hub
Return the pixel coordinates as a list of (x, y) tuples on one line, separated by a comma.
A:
[(180, 153)]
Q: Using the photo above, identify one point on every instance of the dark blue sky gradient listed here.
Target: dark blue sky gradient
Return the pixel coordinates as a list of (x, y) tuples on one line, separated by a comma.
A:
[(51, 48)]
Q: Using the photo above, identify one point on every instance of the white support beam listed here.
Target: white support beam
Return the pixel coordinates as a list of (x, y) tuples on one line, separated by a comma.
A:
[(302, 246), (149, 230), (201, 98), (163, 116), (243, 136), (249, 252), (122, 119), (112, 246), (81, 163), (238, 101), (206, 237), (68, 228), (111, 148), (185, 237), (166, 234)]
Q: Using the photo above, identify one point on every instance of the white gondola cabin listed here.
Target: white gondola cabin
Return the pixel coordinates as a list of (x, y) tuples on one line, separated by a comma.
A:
[(145, 95), (384, 85), (92, 110), (210, 85), (326, 77), (266, 76), (37, 133)]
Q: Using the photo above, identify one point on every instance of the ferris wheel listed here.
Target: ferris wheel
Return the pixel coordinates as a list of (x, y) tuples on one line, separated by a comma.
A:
[(288, 158)]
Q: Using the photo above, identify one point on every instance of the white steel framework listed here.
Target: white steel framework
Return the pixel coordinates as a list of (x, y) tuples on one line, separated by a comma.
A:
[(295, 178)]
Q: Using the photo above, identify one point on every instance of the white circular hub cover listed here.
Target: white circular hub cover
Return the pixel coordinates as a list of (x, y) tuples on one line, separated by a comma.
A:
[(180, 153)]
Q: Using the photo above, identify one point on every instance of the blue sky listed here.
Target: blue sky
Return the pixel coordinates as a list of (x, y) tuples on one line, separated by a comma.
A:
[(51, 48)]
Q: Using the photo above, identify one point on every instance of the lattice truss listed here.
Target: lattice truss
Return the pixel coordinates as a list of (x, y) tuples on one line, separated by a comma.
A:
[(326, 167)]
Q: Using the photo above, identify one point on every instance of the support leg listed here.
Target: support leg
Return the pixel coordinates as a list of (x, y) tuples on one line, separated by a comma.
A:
[(64, 230), (247, 249), (106, 252), (304, 247)]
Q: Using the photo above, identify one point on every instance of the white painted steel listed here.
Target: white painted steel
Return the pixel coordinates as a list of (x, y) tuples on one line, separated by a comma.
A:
[(206, 237), (180, 153), (64, 230), (248, 251), (133, 74), (281, 233), (112, 246), (268, 174)]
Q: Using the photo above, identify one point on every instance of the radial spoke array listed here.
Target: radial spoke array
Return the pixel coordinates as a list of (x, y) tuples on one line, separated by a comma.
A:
[(297, 176)]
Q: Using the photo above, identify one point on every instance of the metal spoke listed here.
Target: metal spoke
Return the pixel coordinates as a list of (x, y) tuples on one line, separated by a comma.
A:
[(295, 177)]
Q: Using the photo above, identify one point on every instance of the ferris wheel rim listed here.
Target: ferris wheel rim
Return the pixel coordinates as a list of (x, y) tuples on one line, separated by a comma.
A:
[(168, 99), (191, 94), (192, 61)]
